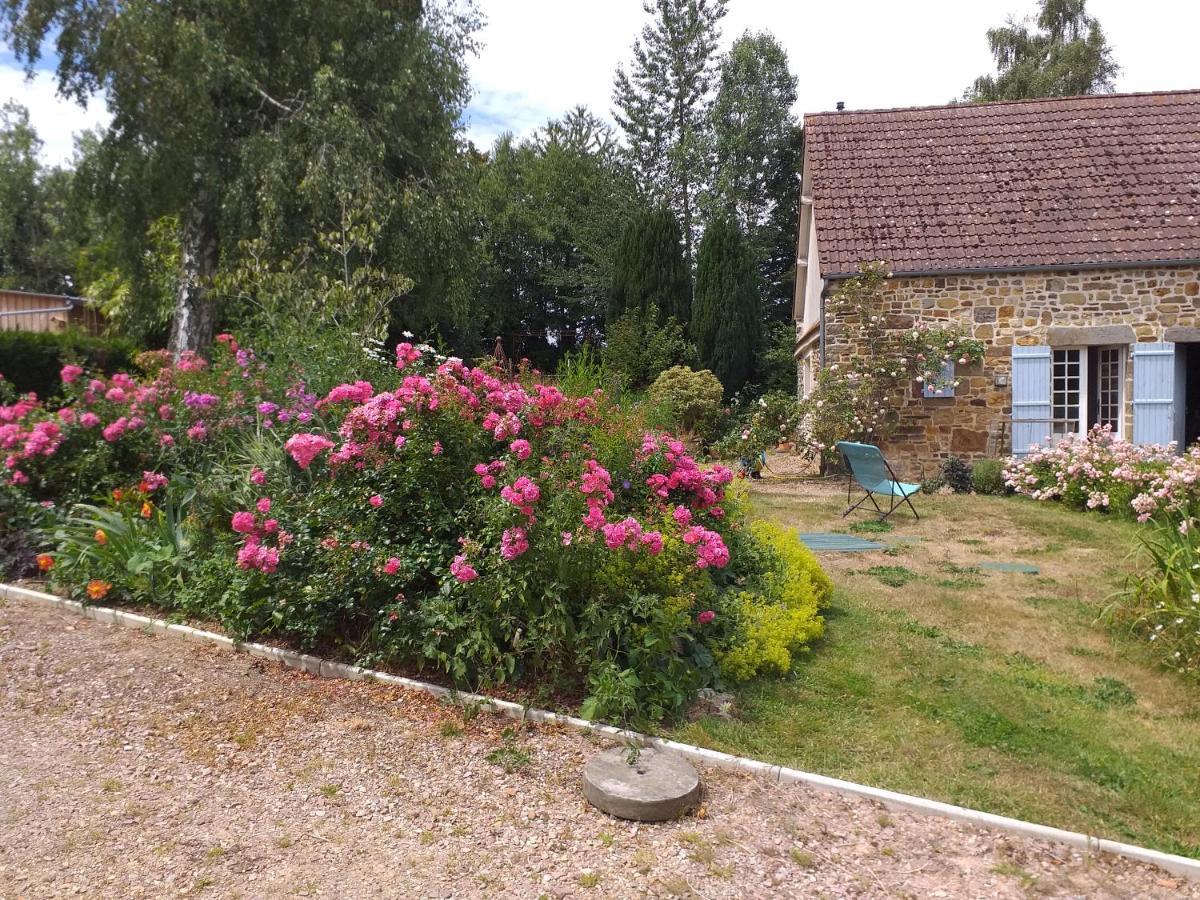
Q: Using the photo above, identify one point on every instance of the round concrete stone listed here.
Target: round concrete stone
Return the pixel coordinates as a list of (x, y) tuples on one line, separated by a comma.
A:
[(658, 786)]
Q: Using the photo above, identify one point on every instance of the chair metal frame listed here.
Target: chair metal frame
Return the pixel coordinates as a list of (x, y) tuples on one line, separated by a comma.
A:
[(896, 501)]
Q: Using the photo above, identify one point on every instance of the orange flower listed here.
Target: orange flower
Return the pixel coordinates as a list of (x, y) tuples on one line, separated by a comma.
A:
[(118, 494), (143, 486), (101, 537), (45, 562), (97, 589), (147, 509)]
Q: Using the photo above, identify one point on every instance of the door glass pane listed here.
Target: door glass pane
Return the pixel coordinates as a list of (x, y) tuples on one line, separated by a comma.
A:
[(1065, 383), (1108, 386)]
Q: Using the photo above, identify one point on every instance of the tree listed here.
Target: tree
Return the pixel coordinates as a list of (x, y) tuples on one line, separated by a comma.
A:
[(725, 313), (642, 344), (553, 207), (756, 149), (35, 251), (650, 270), (1066, 55), (663, 103), (218, 107)]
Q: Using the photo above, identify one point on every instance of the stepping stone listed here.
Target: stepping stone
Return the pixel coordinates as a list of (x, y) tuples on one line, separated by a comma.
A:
[(1022, 568), (820, 542), (657, 787)]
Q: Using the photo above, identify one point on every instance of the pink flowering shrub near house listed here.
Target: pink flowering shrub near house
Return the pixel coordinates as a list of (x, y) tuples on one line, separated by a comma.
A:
[(1106, 473), (429, 514), (1159, 487)]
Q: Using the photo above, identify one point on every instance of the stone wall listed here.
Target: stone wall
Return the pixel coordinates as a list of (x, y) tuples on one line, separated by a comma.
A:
[(1055, 308)]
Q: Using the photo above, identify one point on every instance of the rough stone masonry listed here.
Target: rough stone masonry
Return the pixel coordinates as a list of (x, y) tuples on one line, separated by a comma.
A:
[(1068, 308)]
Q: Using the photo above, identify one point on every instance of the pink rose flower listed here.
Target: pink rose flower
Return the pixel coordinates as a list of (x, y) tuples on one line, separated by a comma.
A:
[(462, 570), (243, 522)]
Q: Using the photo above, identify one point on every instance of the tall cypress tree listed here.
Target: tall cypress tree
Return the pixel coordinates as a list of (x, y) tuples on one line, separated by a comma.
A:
[(650, 270), (725, 314), (756, 148)]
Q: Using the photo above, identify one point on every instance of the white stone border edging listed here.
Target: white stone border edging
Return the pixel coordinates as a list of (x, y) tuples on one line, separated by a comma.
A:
[(1179, 865)]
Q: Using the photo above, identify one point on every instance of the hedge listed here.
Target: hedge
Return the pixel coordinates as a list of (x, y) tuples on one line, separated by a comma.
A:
[(31, 361)]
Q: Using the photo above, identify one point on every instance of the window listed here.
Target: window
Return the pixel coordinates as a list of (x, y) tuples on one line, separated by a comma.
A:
[(942, 385), (1085, 389)]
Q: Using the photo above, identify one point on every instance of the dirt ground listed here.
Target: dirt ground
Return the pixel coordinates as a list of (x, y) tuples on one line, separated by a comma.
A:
[(136, 765)]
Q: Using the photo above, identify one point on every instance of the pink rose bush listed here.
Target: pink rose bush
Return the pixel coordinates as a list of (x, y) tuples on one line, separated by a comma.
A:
[(1106, 473), (431, 513)]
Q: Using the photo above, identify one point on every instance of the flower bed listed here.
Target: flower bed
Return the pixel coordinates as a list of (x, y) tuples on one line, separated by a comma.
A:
[(1106, 473), (439, 515)]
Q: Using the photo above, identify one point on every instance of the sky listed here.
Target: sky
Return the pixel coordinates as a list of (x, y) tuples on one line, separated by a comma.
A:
[(541, 57)]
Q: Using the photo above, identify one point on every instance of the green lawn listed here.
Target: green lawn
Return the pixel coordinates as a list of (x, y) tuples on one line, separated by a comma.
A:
[(997, 691)]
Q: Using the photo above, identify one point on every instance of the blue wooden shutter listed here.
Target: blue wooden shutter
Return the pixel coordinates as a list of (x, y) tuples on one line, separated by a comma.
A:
[(1153, 393), (1030, 397)]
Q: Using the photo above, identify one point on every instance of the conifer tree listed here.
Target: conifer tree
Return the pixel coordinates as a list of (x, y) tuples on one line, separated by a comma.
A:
[(650, 270), (725, 315), (663, 103), (756, 154)]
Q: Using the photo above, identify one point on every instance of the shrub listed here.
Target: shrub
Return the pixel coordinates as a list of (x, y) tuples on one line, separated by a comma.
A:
[(639, 347), (688, 400), (957, 474), (987, 477), (858, 397), (439, 516), (777, 616), (762, 424), (1106, 473), (31, 361), (1162, 601)]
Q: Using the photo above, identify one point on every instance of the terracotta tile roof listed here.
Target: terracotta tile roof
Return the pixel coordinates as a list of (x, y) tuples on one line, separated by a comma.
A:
[(1080, 180)]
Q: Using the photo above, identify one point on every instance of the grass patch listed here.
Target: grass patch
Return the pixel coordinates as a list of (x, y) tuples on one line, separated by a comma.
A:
[(871, 526), (988, 695), (893, 576)]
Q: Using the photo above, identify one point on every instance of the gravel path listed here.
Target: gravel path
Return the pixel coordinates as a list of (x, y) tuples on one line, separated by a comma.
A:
[(134, 765)]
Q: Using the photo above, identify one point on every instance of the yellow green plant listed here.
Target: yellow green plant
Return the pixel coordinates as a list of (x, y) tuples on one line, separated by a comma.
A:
[(780, 614)]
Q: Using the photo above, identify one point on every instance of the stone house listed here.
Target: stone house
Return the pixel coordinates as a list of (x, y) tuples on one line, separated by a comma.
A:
[(1064, 233)]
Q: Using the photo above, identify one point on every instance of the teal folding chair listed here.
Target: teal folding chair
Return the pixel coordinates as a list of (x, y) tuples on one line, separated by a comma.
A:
[(873, 474)]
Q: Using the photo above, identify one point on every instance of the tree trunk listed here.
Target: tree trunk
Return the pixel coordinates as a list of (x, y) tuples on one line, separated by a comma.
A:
[(195, 307)]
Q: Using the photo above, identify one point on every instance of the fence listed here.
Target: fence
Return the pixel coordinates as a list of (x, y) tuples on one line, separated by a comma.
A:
[(26, 311)]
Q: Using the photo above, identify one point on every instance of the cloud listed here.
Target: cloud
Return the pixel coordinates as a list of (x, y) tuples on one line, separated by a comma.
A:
[(491, 113), (56, 120)]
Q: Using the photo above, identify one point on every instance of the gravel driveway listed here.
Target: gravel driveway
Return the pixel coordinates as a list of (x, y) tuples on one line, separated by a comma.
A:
[(134, 765)]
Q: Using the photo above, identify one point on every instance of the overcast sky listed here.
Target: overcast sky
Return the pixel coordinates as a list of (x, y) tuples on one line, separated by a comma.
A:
[(540, 57)]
